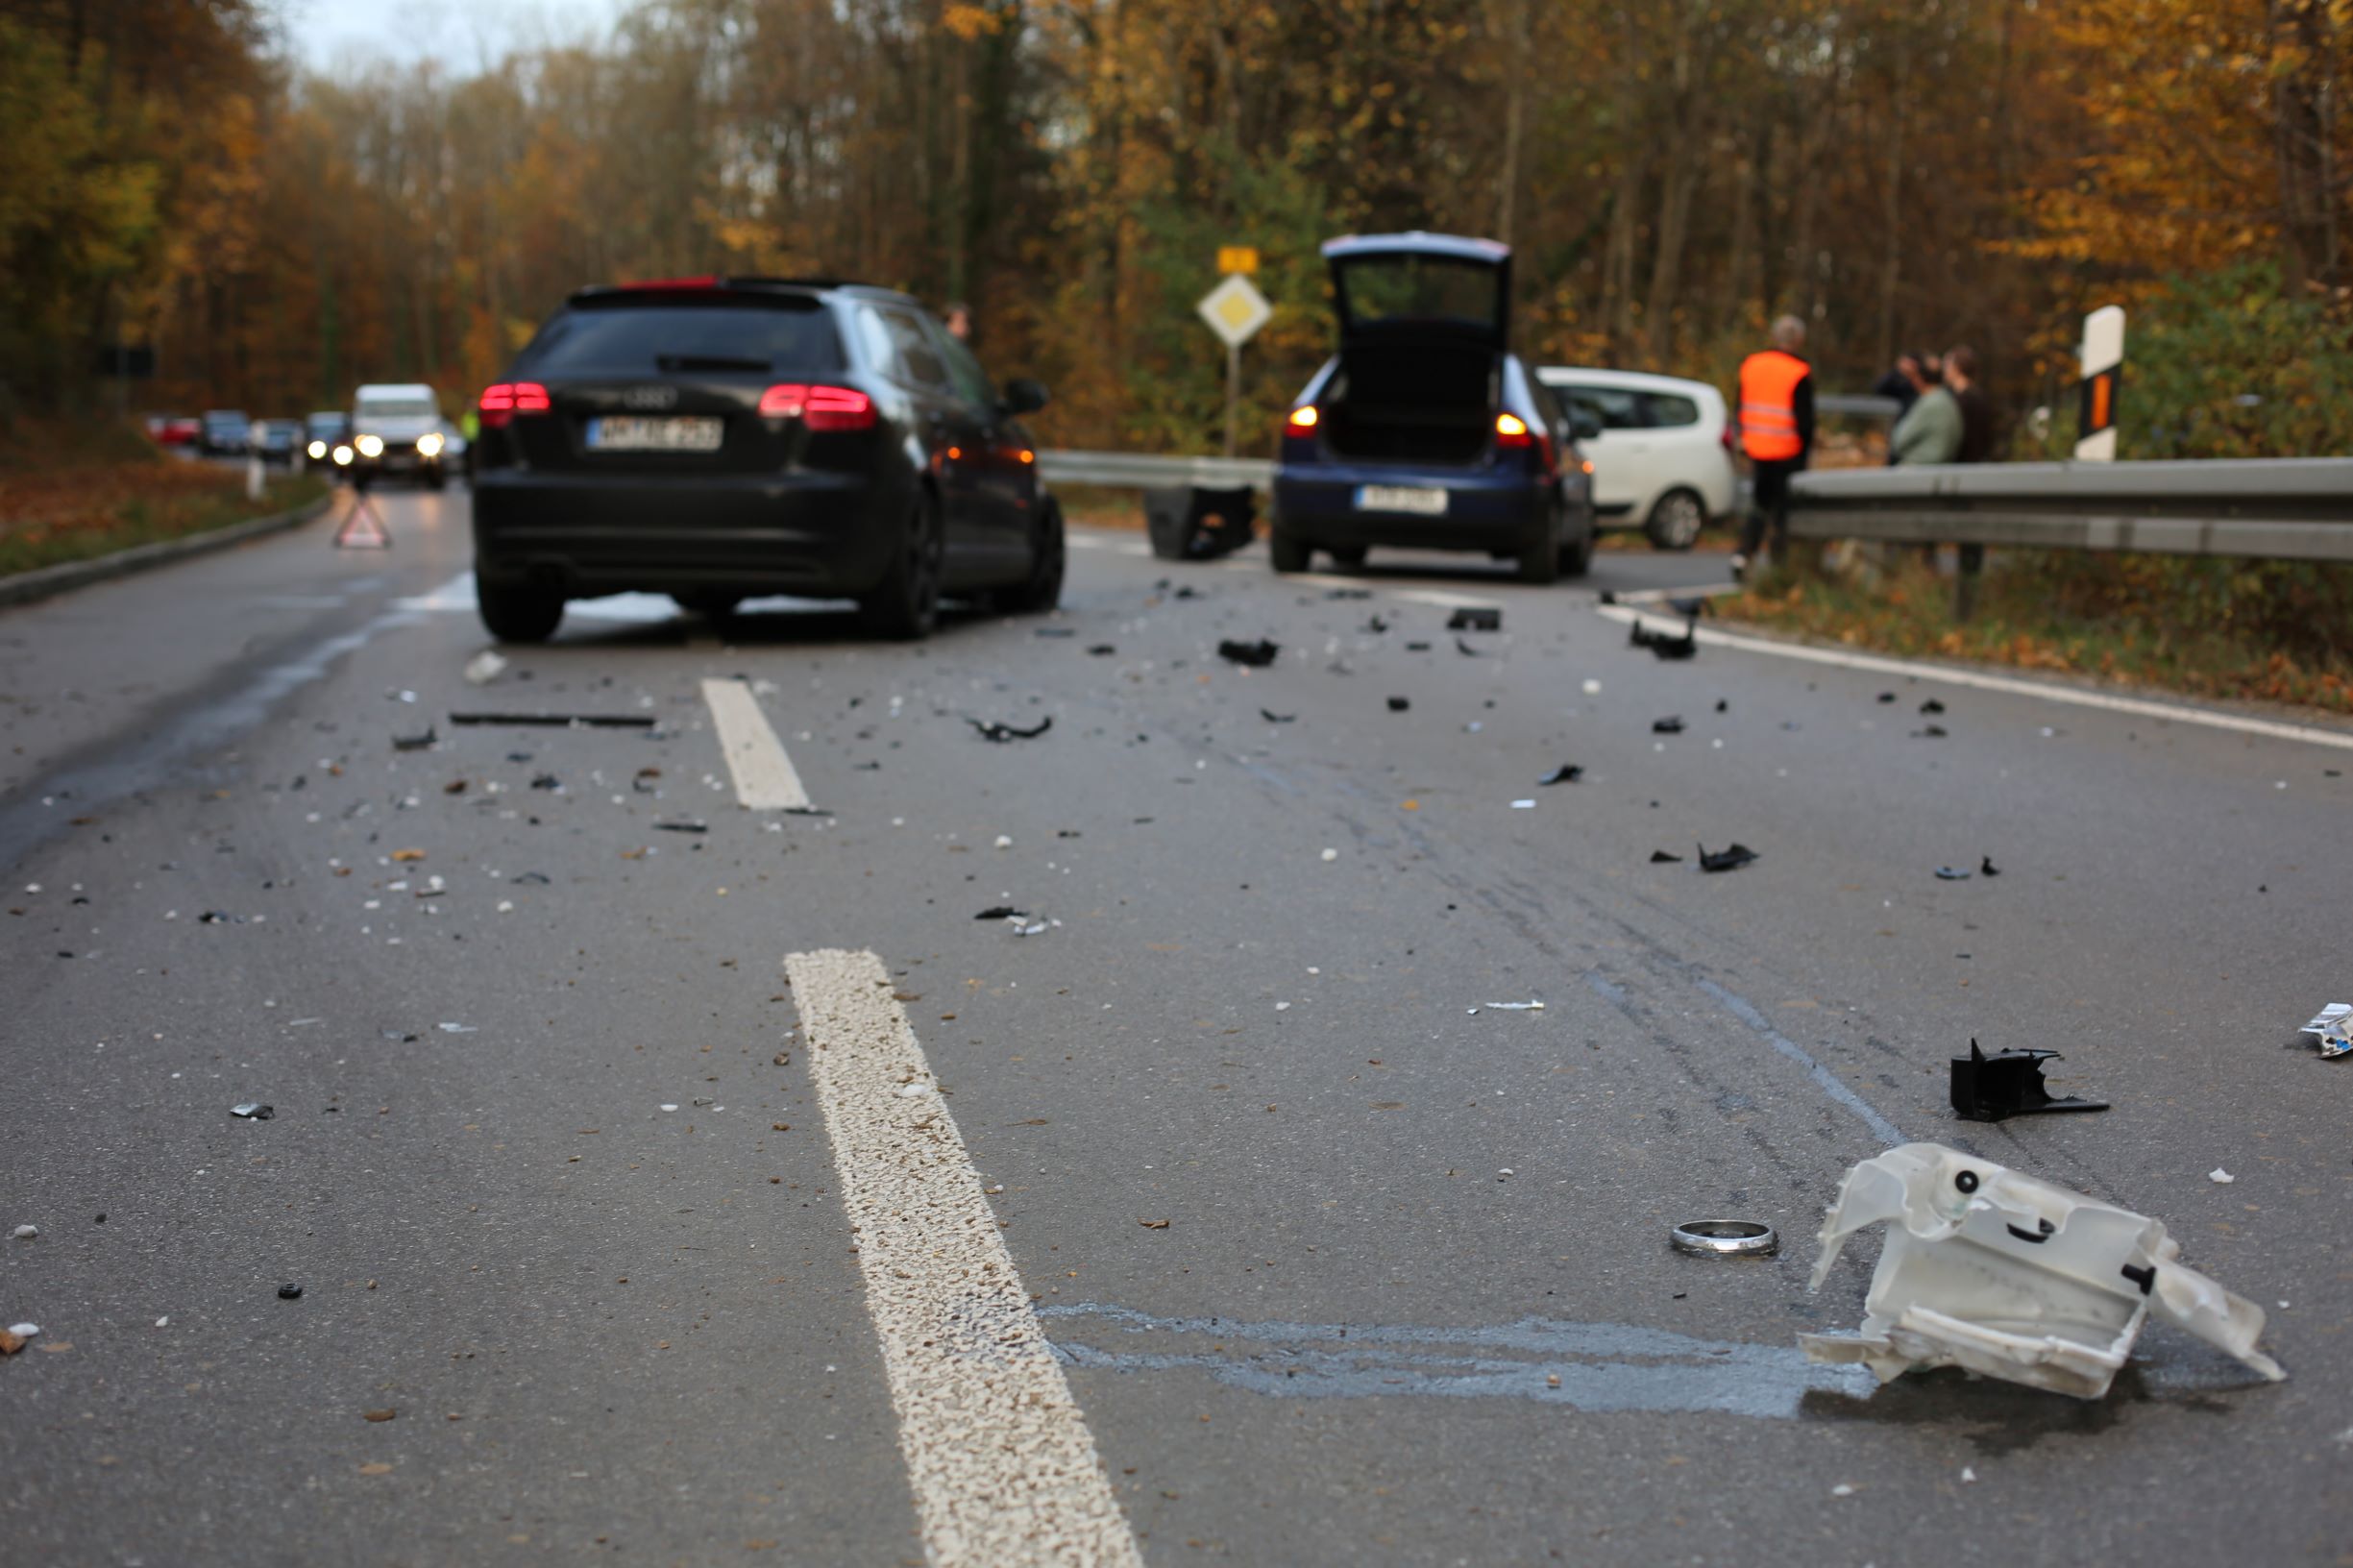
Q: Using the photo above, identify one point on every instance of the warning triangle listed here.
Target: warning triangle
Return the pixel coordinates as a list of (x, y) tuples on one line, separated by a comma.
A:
[(363, 529)]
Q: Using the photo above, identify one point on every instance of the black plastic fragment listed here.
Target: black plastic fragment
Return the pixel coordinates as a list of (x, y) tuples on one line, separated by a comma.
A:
[(1348, 593), (1724, 704), (289, 1292), (1399, 704), (1986, 866), (1568, 772), (414, 743), (993, 730), (1476, 618), (559, 721), (1417, 648), (2007, 1084), (1661, 644), (1274, 718), (1461, 647), (1374, 626), (1103, 650), (1932, 705), (1672, 724), (1257, 655), (1931, 732), (1003, 912), (682, 827), (531, 879), (1952, 873), (1730, 858), (1887, 696), (1661, 857)]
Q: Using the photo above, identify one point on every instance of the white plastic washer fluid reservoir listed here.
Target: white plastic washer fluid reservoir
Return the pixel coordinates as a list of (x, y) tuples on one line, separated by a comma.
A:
[(2013, 1277)]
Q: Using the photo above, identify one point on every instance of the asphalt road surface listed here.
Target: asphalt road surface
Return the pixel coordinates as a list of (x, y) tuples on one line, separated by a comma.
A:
[(698, 1180)]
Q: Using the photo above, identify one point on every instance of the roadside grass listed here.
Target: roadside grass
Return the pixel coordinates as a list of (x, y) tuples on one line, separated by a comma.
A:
[(71, 490), (2266, 631)]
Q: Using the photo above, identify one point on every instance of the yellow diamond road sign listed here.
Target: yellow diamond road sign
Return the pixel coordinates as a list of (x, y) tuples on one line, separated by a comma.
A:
[(1234, 310)]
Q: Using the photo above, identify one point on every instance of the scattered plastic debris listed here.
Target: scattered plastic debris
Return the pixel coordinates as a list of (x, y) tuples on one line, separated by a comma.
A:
[(484, 668), (2013, 1277), (289, 1292), (1523, 806), (26, 1233), (414, 743), (1399, 704), (1986, 866), (254, 1110), (682, 827), (458, 1029), (559, 721), (993, 730), (1461, 647), (2332, 1025), (1348, 593), (2221, 1177), (1932, 705), (2007, 1084), (1661, 857), (1724, 1239), (1476, 618), (1730, 858), (1531, 1006), (1417, 648), (546, 781), (1003, 912), (1274, 718), (1103, 650), (1670, 724), (1887, 696), (1930, 732), (1331, 854), (1951, 873), (1662, 645), (1568, 772), (1257, 655)]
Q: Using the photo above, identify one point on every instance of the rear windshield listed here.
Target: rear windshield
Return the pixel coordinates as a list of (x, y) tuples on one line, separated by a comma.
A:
[(679, 336), (399, 407), (1422, 288)]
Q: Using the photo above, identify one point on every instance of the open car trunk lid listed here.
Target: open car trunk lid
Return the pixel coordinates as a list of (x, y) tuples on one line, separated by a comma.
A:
[(1423, 321)]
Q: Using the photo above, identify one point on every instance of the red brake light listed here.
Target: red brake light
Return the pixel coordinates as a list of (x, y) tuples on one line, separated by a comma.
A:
[(1511, 432), (1303, 421), (820, 407), (680, 284), (505, 401)]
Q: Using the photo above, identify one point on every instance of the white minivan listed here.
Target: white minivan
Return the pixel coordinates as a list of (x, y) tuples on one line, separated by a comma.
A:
[(1662, 457)]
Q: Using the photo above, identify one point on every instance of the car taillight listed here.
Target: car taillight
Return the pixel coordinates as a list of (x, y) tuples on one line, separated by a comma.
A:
[(504, 402), (820, 407), (1303, 421), (1511, 432), (1724, 433)]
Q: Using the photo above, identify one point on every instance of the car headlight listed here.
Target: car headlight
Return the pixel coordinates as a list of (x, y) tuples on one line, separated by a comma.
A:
[(343, 455), (428, 444), (371, 446), (317, 450)]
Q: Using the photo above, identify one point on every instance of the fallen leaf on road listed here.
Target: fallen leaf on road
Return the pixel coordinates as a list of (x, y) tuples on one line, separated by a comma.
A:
[(378, 1415), (408, 854), (377, 1469), (1153, 1224)]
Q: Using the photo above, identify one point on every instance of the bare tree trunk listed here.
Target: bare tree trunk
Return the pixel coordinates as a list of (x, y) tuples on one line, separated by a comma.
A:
[(1891, 209), (1515, 116)]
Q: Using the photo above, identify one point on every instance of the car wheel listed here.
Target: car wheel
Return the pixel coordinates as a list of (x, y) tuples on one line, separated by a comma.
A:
[(517, 612), (1676, 520), (1540, 556), (1347, 558), (1576, 552), (711, 606), (1288, 552), (1041, 590), (905, 605)]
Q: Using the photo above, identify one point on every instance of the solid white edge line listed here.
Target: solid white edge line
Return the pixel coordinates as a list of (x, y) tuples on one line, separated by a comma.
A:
[(1004, 1470), (764, 776), (2138, 707)]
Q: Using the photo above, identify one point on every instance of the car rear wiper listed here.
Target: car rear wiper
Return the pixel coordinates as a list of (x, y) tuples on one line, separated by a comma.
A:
[(687, 362)]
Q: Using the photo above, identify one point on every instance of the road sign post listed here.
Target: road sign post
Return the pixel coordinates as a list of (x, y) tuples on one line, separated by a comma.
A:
[(2103, 375), (1234, 311)]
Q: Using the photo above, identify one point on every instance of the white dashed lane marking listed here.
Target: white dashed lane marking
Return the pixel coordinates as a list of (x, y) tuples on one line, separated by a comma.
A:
[(764, 776), (1004, 1470)]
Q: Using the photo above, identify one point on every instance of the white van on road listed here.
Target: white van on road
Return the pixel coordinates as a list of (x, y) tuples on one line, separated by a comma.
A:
[(1662, 460), (396, 429)]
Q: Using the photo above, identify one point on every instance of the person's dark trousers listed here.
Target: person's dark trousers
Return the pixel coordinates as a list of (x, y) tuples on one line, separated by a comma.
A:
[(1768, 507)]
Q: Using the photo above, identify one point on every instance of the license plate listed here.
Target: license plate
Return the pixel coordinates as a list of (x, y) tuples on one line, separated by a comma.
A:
[(630, 433), (1398, 497)]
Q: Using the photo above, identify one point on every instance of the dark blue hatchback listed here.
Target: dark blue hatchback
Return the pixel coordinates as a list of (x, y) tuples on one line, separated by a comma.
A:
[(1425, 431)]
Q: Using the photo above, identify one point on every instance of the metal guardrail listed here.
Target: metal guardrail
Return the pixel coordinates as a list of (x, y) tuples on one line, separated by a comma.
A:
[(1857, 405), (1123, 471), (2289, 508)]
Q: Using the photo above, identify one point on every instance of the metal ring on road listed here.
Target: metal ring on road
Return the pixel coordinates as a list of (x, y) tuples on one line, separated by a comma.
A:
[(1724, 1239)]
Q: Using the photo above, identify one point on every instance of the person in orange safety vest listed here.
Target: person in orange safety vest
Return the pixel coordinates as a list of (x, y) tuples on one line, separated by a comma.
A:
[(1776, 432)]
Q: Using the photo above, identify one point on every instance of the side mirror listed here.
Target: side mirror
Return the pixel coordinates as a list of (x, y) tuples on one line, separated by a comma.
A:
[(1023, 396), (1585, 425)]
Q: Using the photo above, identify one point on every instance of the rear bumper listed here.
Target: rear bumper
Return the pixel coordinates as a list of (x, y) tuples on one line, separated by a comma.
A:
[(1489, 511), (762, 534)]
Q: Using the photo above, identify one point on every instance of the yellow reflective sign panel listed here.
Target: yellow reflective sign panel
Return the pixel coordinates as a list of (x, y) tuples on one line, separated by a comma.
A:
[(1242, 259)]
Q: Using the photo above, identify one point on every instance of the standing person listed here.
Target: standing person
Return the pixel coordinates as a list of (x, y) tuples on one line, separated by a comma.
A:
[(1776, 431), (1976, 443), (1931, 433), (1901, 384), (958, 319)]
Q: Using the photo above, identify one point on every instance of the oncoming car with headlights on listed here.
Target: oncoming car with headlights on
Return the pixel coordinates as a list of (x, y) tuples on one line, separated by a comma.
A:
[(396, 429), (718, 439)]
